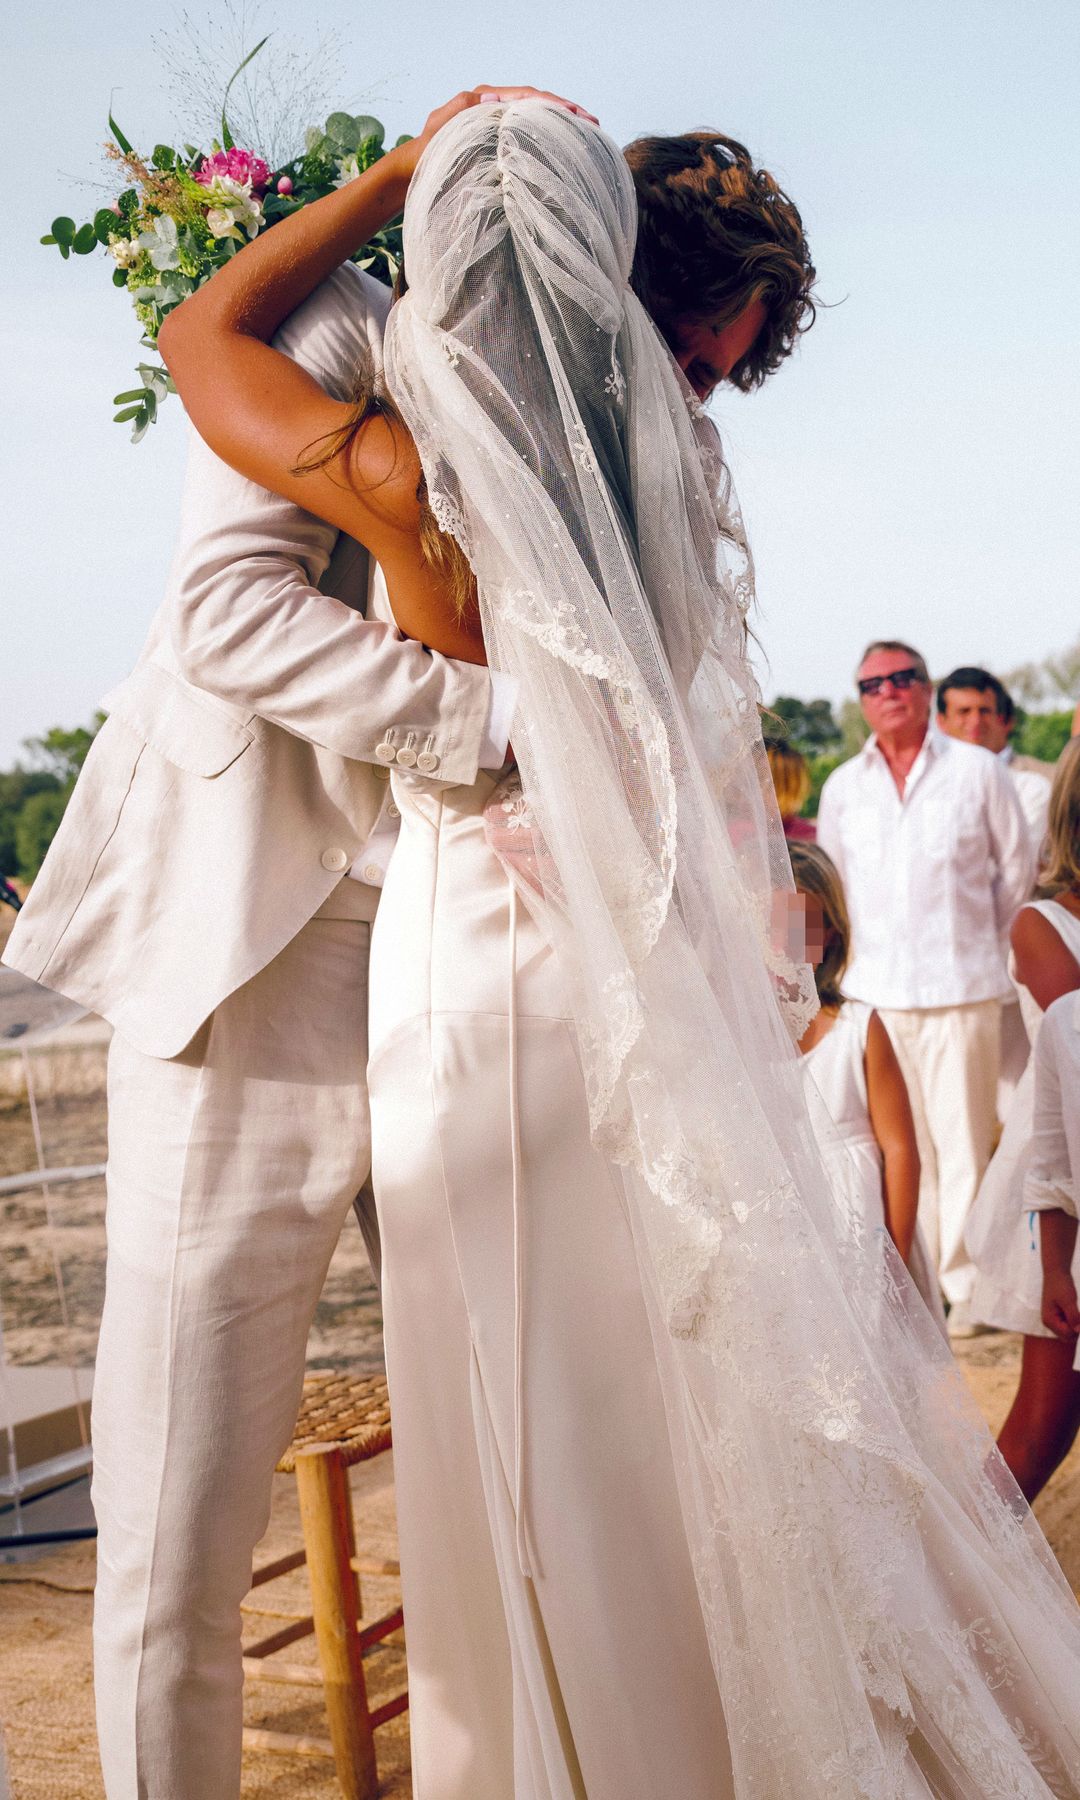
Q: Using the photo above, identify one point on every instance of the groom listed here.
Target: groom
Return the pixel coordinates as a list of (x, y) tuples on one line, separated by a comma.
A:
[(211, 892)]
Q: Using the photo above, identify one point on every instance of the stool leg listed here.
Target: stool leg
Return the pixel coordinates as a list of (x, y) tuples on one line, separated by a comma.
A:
[(326, 1515)]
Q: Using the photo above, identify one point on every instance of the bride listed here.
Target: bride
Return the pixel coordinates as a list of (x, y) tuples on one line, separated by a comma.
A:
[(692, 1500)]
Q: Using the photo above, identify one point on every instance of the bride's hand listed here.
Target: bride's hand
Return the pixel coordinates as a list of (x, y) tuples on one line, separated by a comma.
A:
[(485, 94)]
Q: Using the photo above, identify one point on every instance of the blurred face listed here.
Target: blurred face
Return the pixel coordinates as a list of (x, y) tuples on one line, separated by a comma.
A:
[(798, 926), (893, 706), (706, 353), (974, 717)]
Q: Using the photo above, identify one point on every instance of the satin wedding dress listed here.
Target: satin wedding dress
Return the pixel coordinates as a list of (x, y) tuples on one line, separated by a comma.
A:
[(523, 1383)]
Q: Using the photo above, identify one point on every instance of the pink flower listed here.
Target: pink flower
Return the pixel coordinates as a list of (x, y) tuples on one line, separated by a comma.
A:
[(284, 186), (239, 165)]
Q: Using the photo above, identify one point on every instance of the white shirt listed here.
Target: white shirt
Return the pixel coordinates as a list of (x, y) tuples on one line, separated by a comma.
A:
[(1033, 791), (1053, 1177), (933, 879)]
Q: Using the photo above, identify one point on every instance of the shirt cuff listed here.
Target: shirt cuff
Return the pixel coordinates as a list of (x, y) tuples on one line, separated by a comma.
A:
[(500, 716)]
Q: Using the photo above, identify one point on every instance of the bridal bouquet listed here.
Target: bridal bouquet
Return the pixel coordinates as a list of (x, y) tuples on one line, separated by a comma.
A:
[(183, 212)]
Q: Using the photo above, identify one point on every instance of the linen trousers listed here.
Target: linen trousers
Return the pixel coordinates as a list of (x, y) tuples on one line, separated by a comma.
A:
[(231, 1170), (950, 1057)]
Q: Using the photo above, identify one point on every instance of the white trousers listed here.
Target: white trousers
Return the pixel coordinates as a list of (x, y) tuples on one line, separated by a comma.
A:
[(231, 1170), (950, 1056)]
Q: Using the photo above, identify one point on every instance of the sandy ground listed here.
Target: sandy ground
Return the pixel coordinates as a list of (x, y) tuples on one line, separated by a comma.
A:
[(45, 1606)]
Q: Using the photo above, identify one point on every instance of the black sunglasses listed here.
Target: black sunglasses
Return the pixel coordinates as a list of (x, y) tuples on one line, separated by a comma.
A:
[(901, 680)]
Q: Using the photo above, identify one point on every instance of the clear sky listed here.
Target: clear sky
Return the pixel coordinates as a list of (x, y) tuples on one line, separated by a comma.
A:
[(912, 471)]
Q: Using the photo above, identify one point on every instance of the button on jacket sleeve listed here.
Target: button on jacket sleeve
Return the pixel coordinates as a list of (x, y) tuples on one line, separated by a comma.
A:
[(247, 619)]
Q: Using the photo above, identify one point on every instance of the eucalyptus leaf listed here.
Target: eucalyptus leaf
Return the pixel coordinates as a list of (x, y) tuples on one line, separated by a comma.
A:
[(140, 430), (128, 412), (47, 240), (341, 129), (106, 224), (119, 278), (126, 398), (164, 157), (63, 230), (84, 241), (370, 128)]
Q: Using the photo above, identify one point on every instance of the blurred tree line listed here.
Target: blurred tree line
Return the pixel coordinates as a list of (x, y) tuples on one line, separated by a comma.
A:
[(33, 795)]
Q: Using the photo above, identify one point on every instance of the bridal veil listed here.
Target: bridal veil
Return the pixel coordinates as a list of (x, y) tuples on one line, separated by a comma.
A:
[(885, 1618)]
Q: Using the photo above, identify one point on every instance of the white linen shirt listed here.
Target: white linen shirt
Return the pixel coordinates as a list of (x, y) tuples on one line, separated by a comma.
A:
[(932, 879), (1053, 1177), (1033, 790)]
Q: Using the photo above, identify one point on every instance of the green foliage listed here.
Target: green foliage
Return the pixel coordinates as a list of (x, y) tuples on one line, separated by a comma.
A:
[(61, 752), (35, 827), (809, 724), (821, 767), (32, 800), (854, 730), (1044, 735), (17, 786)]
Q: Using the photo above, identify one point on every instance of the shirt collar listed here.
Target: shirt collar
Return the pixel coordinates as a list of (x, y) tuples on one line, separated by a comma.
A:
[(1006, 754), (933, 743)]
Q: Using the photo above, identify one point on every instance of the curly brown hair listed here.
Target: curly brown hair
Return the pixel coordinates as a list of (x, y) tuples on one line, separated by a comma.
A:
[(716, 234)]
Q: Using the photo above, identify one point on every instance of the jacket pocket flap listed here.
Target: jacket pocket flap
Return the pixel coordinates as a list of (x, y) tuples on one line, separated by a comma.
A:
[(171, 718)]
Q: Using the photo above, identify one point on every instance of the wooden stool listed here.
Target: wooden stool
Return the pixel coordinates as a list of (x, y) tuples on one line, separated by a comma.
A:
[(343, 1420)]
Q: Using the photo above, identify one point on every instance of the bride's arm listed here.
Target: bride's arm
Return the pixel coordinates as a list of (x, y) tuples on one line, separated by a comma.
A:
[(258, 410)]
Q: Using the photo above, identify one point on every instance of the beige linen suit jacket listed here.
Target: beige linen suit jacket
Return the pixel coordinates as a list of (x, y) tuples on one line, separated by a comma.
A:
[(237, 774)]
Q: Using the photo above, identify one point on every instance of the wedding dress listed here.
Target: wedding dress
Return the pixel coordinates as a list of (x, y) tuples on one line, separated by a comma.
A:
[(578, 1052), (836, 1067)]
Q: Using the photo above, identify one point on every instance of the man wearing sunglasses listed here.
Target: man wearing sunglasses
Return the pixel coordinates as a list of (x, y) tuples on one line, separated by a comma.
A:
[(935, 856)]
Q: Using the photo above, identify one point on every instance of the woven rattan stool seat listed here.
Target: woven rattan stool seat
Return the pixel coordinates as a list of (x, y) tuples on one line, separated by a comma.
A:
[(349, 1412)]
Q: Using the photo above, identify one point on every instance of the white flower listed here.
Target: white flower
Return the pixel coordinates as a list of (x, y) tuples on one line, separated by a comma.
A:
[(123, 251), (348, 170), (233, 206), (161, 243)]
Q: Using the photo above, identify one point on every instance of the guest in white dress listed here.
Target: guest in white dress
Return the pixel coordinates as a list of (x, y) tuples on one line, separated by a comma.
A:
[(868, 1141), (1002, 1238), (673, 1519), (1052, 1187)]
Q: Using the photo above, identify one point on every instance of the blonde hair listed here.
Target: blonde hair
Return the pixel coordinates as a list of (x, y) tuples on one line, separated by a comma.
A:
[(1061, 869), (817, 874), (790, 774)]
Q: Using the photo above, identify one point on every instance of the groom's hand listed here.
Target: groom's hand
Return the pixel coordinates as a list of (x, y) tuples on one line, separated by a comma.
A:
[(487, 93)]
